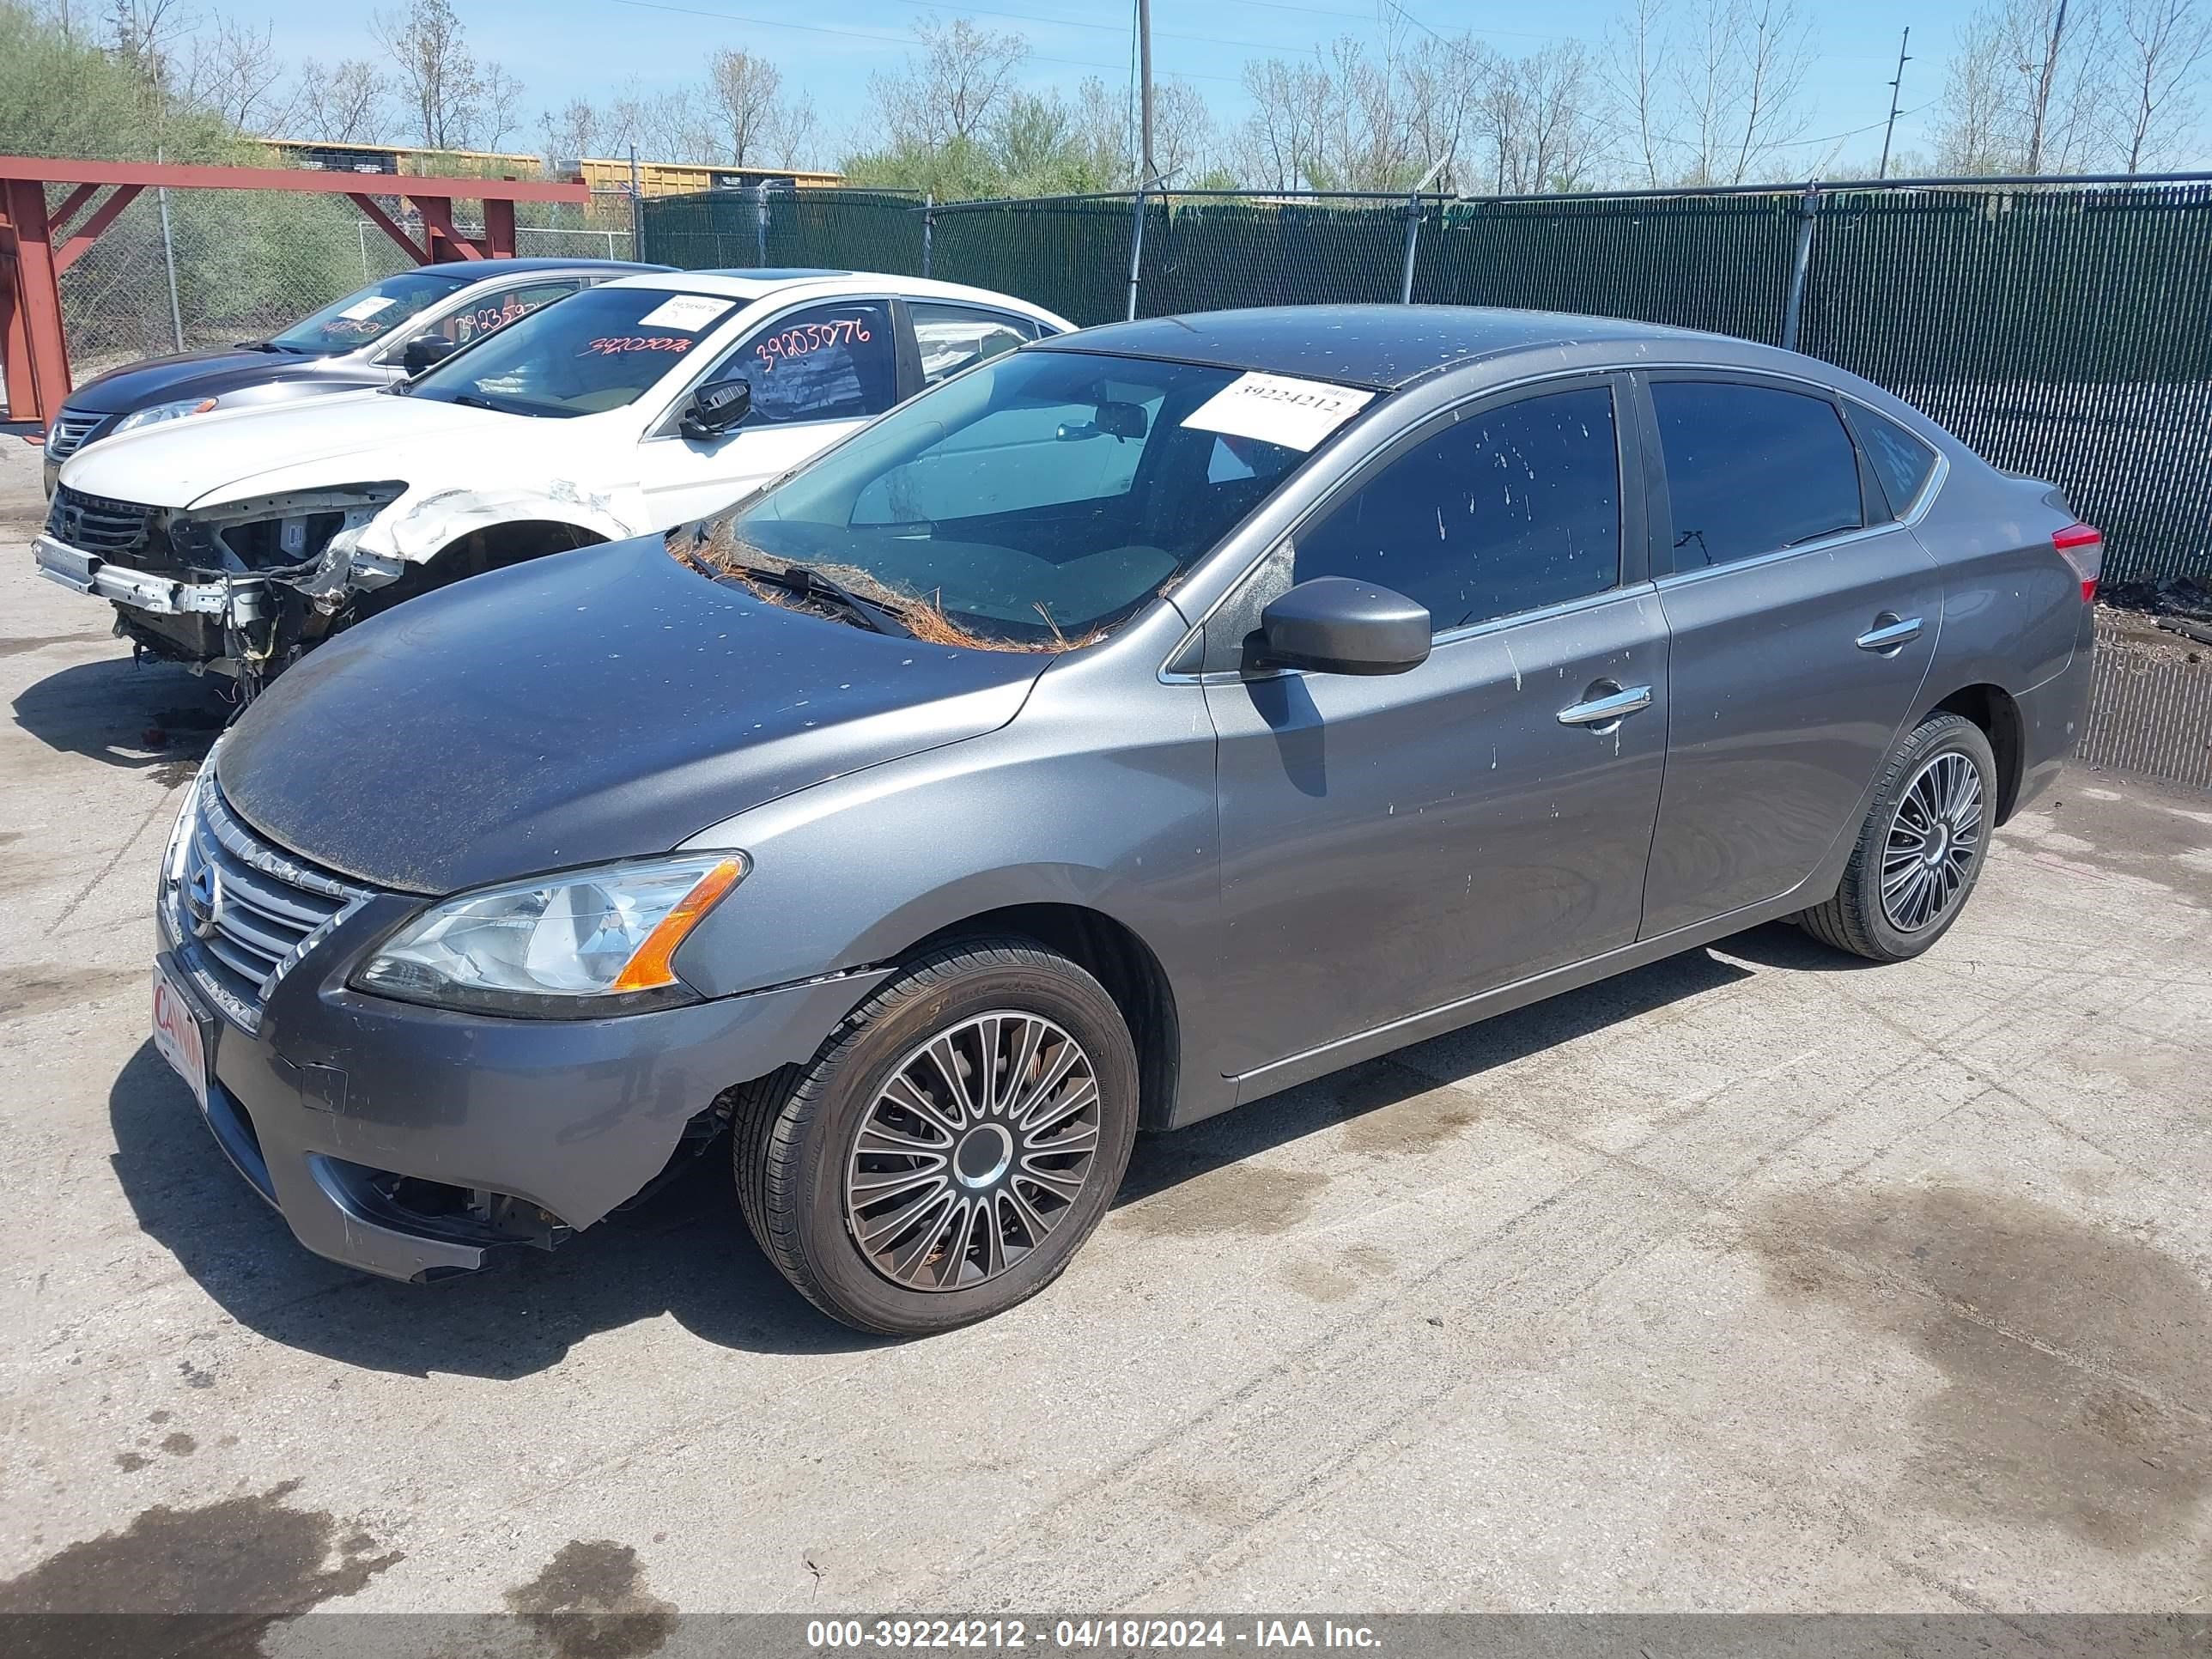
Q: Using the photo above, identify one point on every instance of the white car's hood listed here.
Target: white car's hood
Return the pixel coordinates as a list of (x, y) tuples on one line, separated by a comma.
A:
[(354, 437)]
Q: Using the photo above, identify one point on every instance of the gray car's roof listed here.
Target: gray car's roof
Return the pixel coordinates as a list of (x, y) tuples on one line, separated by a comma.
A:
[(1381, 346)]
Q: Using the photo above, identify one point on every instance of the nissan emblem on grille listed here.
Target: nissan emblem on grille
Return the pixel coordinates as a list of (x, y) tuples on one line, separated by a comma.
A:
[(204, 900)]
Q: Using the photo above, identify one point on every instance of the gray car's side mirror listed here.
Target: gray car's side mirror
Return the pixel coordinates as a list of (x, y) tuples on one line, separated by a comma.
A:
[(1334, 625), (426, 352), (716, 407)]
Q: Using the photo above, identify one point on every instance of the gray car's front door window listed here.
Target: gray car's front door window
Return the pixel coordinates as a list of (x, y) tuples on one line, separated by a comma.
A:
[(1392, 844)]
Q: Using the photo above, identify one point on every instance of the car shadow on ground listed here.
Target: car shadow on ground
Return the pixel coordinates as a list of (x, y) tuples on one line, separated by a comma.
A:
[(154, 718), (684, 1251)]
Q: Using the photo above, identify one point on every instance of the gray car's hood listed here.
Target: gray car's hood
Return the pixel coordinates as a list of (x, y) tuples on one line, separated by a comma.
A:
[(601, 704)]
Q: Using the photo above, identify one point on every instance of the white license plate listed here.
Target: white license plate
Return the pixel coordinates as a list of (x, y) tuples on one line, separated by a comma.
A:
[(178, 1033)]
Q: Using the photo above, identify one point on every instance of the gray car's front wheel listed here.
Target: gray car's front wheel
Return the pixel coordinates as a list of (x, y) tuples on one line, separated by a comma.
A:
[(951, 1146), (1920, 849)]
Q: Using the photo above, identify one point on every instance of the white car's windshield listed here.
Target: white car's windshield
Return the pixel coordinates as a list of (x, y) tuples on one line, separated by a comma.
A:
[(596, 350), (1030, 502), (360, 318)]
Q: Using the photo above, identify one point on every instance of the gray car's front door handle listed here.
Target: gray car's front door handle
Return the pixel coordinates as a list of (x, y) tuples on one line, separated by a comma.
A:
[(1607, 710), (1890, 631)]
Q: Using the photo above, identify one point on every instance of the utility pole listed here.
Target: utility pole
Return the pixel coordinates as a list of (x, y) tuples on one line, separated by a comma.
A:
[(1148, 175), (1896, 95)]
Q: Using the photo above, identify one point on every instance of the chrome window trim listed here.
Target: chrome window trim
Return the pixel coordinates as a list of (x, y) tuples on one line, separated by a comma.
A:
[(1931, 485), (1921, 503)]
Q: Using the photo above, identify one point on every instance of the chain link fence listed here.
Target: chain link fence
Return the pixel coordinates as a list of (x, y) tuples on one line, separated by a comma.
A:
[(2062, 329), (186, 269)]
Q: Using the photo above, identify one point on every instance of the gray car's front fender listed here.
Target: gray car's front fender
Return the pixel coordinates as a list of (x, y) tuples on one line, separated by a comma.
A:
[(1060, 807)]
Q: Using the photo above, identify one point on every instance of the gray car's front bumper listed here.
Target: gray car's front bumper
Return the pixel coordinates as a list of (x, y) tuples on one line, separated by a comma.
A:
[(337, 1093)]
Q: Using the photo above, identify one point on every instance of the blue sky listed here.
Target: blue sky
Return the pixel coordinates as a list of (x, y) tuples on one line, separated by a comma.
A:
[(562, 48)]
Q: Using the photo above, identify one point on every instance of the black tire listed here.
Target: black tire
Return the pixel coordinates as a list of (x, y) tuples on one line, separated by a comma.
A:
[(1856, 920), (794, 1131)]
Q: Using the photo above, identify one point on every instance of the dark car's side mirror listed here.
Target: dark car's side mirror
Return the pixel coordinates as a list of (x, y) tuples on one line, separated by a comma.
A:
[(426, 352), (1334, 625), (716, 407)]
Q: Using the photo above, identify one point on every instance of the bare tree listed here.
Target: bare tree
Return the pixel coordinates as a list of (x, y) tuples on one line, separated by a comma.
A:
[(143, 36), (438, 74), (234, 72), (1280, 146), (745, 94), (570, 132), (1973, 125), (498, 110), (2162, 49), (955, 88), (1629, 72), (1775, 53), (1104, 132), (1182, 130), (794, 132), (2024, 93), (348, 103)]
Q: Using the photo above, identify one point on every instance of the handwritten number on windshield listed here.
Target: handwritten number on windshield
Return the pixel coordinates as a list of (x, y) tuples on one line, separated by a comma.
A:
[(613, 345), (798, 340)]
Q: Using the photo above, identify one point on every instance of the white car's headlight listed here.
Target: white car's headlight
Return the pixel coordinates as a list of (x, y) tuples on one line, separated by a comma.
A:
[(155, 414), (578, 944)]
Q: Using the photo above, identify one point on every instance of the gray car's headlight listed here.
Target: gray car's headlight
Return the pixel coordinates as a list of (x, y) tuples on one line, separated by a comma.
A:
[(155, 414), (577, 944)]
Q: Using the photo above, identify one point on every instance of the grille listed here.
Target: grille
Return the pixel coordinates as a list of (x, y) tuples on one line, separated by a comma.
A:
[(93, 524), (69, 432), (245, 912)]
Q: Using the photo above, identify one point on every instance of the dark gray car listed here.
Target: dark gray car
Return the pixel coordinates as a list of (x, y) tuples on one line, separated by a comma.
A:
[(375, 337), (1125, 730)]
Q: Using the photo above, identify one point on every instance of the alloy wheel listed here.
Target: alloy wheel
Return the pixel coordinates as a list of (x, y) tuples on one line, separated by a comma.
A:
[(1934, 840), (973, 1152)]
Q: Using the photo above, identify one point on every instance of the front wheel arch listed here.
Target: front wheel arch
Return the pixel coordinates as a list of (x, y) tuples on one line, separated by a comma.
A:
[(493, 547)]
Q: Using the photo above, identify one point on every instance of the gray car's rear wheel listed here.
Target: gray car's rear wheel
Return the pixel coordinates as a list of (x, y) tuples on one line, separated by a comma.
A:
[(951, 1146), (1920, 849)]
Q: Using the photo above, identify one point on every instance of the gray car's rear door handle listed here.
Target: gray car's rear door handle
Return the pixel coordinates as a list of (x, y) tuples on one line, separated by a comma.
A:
[(1605, 711), (1888, 634)]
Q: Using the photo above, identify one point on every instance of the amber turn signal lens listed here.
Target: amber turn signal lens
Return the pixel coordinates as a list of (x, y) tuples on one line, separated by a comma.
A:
[(654, 965)]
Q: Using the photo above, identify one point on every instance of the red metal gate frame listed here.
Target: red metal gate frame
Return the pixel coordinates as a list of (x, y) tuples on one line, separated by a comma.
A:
[(39, 243)]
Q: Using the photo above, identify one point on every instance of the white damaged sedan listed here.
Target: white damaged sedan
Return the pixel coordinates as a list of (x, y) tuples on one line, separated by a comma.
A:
[(237, 541)]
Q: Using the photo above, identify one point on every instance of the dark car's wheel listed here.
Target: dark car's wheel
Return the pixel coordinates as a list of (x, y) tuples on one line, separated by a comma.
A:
[(951, 1146), (1920, 851)]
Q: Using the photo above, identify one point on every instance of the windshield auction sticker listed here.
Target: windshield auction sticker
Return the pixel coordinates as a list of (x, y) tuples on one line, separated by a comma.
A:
[(361, 310), (686, 311), (1278, 409)]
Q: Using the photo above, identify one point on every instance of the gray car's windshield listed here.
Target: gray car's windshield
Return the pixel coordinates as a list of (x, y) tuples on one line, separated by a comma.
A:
[(348, 324), (595, 350), (1030, 502)]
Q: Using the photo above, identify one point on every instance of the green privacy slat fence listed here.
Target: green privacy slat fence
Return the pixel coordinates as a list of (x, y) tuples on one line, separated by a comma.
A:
[(1068, 257), (2064, 331), (734, 229), (2067, 334), (1711, 262)]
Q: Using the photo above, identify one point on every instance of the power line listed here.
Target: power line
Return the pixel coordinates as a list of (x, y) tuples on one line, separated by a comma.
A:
[(1116, 29), (901, 40), (1804, 143)]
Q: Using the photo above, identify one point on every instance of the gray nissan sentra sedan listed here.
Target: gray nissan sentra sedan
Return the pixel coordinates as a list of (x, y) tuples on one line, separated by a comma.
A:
[(1131, 727)]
